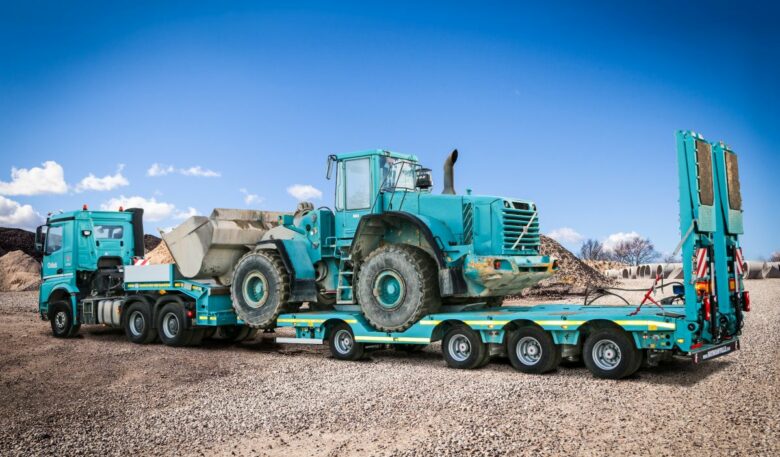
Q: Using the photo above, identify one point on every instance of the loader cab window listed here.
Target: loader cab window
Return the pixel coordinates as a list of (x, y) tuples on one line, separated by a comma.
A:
[(53, 239), (398, 174), (354, 185)]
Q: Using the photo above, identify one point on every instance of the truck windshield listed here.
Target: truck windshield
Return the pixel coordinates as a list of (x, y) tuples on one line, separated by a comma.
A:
[(398, 173)]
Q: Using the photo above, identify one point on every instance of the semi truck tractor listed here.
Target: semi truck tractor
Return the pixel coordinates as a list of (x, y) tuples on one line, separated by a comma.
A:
[(393, 264)]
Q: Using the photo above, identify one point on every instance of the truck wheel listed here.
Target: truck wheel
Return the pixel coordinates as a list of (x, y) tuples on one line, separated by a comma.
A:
[(463, 348), (171, 324), (397, 285), (342, 343), (610, 353), (532, 350), (61, 319), (138, 323), (260, 289)]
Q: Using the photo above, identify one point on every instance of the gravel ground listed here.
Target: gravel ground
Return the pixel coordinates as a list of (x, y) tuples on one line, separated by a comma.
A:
[(99, 394)]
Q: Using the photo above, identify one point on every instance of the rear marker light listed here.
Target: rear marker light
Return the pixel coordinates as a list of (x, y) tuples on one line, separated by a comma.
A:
[(190, 313), (746, 301), (707, 308)]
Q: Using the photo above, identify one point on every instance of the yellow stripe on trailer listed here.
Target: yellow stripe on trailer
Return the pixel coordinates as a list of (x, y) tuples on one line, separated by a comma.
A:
[(651, 325), (391, 339), (560, 323)]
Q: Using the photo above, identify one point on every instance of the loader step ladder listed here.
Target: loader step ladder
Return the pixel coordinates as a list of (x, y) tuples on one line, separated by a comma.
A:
[(344, 292)]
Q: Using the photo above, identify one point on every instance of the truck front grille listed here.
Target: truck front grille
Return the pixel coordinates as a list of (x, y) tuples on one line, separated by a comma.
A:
[(515, 217)]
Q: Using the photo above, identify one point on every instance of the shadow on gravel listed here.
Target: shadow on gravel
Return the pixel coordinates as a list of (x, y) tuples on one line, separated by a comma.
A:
[(679, 373)]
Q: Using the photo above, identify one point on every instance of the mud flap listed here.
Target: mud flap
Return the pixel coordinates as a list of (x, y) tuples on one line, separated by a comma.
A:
[(717, 351)]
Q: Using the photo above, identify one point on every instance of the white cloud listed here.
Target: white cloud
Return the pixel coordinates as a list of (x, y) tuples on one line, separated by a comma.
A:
[(159, 170), (153, 210), (304, 192), (186, 214), (616, 238), (199, 171), (108, 182), (566, 235), (34, 181), (251, 198), (12, 214)]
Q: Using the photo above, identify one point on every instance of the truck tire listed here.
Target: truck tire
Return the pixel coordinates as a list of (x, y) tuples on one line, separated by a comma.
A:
[(171, 326), (260, 289), (61, 319), (137, 323), (609, 353), (463, 348), (397, 285), (342, 343), (532, 350)]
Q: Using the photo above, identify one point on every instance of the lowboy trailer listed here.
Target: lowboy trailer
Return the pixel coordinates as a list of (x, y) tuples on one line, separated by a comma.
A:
[(701, 320)]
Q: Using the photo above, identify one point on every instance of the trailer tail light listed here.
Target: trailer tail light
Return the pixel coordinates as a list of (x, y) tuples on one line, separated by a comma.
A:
[(732, 284), (190, 313), (707, 308), (702, 287), (746, 301)]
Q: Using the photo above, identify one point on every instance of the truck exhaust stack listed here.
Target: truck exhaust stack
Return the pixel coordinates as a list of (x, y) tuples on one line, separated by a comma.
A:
[(449, 179)]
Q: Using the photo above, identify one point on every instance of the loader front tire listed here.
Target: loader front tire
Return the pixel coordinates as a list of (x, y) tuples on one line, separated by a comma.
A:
[(260, 289), (397, 285)]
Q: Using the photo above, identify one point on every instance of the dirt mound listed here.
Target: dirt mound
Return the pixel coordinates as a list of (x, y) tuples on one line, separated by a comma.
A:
[(604, 265), (150, 242), (18, 272), (160, 255), (573, 277), (12, 239)]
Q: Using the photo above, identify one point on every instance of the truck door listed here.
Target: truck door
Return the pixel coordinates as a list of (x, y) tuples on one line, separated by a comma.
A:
[(353, 195), (53, 255)]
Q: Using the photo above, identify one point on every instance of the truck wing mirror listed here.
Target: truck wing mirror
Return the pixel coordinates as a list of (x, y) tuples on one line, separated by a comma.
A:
[(331, 160), (40, 238)]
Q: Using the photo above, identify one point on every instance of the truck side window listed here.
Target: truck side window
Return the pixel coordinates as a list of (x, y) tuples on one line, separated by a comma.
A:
[(340, 186), (358, 183), (108, 232), (54, 239)]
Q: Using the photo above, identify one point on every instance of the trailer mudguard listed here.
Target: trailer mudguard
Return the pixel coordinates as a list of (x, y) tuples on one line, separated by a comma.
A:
[(299, 266)]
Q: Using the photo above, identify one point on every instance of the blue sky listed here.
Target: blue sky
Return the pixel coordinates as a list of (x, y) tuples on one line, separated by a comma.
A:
[(574, 107)]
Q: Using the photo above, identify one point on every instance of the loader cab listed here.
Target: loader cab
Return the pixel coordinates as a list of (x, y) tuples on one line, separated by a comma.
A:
[(363, 178)]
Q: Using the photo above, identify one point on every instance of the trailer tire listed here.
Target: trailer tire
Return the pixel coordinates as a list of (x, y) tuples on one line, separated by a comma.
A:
[(137, 323), (342, 343), (609, 353), (260, 289), (61, 318), (171, 326), (532, 350), (397, 285), (463, 348)]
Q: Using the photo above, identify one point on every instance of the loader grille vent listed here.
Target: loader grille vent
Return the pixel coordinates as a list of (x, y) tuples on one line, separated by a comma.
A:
[(468, 223), (515, 220)]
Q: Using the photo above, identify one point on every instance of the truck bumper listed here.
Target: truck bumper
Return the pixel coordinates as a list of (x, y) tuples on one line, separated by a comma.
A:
[(712, 351), (488, 276)]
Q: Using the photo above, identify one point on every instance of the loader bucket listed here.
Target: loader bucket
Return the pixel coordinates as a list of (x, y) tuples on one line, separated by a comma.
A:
[(209, 247)]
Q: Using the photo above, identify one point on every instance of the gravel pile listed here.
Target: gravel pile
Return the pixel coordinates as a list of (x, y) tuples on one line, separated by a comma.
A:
[(101, 395), (573, 277), (160, 254), (18, 272)]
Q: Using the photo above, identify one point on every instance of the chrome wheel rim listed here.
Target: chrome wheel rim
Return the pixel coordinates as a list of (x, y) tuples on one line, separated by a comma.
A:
[(459, 348), (137, 323), (528, 350), (606, 355), (171, 325), (61, 320), (343, 341)]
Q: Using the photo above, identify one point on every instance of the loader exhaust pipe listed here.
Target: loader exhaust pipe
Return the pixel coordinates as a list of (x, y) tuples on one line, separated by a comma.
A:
[(449, 180)]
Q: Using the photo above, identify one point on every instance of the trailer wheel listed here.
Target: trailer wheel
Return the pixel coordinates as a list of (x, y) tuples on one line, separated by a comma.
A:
[(61, 319), (532, 350), (397, 285), (171, 326), (609, 353), (342, 343), (463, 348), (137, 323), (260, 289)]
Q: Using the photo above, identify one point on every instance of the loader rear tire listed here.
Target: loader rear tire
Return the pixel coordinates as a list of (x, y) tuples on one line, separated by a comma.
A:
[(397, 285), (260, 289)]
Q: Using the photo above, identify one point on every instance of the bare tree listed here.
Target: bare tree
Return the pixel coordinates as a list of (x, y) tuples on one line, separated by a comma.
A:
[(593, 250), (775, 257), (635, 251)]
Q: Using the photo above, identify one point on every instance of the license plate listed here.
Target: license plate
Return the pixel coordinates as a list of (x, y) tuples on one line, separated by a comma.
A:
[(718, 351)]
